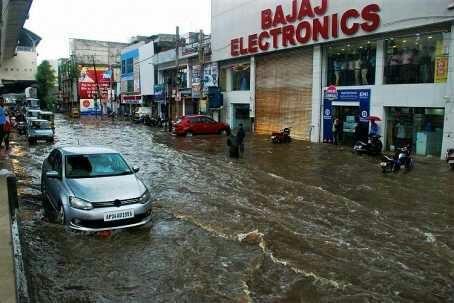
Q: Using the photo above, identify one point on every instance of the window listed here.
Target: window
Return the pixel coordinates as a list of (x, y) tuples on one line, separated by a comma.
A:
[(241, 77), (417, 58), (129, 65), (421, 128), (97, 165), (352, 63), (130, 86), (123, 66)]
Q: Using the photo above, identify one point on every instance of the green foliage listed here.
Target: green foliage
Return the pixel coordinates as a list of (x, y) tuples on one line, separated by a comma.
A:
[(45, 77)]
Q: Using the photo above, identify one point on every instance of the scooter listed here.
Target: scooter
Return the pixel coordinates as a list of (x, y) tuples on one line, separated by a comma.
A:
[(373, 147), (21, 127), (281, 137), (450, 157), (401, 158)]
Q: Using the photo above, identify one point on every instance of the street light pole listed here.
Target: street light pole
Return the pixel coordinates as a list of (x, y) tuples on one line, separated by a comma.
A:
[(98, 94), (177, 63)]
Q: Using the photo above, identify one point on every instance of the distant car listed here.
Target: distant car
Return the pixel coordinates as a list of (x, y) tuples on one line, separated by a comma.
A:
[(93, 189), (39, 130), (141, 114), (199, 124), (32, 114)]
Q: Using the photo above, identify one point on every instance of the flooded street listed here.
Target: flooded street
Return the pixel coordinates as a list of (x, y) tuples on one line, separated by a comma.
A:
[(286, 223)]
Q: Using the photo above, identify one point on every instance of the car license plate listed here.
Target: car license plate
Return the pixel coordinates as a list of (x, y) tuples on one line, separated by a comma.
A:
[(118, 215)]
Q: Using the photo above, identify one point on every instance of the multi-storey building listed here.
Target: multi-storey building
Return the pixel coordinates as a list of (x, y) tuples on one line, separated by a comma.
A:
[(303, 64)]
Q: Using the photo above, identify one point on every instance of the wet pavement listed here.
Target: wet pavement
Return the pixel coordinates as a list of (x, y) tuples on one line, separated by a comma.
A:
[(286, 223)]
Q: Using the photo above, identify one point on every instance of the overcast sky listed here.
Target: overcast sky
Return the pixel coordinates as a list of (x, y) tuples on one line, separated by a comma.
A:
[(112, 20)]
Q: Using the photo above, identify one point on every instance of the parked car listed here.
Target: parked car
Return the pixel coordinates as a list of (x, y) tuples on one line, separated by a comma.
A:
[(31, 114), (39, 130), (93, 189), (141, 114), (49, 116), (199, 124)]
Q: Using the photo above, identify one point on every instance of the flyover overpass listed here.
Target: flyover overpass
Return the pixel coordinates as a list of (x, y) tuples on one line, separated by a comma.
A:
[(12, 19)]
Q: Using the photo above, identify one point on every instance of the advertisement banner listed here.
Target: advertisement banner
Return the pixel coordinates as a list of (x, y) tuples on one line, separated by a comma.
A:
[(210, 76), (196, 81), (441, 69), (87, 82), (89, 107)]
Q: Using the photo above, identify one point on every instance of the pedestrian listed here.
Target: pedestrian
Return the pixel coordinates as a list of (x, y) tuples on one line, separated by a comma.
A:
[(2, 119), (374, 128), (232, 143), (7, 130), (240, 135), (337, 131)]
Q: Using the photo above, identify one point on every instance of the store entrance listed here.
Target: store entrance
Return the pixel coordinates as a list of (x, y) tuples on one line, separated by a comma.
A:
[(421, 128), (349, 117), (241, 116)]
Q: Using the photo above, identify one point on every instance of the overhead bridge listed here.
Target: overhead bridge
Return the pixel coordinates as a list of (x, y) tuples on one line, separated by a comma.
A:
[(14, 13)]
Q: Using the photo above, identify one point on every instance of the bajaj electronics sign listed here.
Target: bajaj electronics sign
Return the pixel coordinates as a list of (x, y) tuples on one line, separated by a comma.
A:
[(305, 22), (244, 28)]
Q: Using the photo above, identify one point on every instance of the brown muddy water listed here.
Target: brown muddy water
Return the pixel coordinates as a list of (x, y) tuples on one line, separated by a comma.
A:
[(286, 223)]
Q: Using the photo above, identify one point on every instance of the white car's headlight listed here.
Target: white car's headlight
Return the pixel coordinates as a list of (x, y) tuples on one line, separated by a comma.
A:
[(145, 198), (80, 204)]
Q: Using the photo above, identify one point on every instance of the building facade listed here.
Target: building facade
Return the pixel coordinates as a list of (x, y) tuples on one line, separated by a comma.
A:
[(87, 78), (303, 64)]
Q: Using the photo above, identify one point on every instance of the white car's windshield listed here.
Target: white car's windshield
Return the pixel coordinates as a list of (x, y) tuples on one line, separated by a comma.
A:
[(98, 165), (40, 125)]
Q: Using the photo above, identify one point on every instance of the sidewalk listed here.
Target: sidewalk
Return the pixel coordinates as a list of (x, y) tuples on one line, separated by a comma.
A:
[(7, 272)]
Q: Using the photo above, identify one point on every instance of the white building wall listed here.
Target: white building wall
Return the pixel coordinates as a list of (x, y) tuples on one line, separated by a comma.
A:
[(146, 53), (21, 67), (448, 136)]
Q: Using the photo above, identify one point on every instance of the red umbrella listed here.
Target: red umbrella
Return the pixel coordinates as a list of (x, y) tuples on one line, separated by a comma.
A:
[(374, 118)]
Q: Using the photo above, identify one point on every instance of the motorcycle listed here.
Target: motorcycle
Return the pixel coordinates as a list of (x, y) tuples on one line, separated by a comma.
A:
[(373, 147), (281, 137), (401, 158), (450, 157), (21, 127)]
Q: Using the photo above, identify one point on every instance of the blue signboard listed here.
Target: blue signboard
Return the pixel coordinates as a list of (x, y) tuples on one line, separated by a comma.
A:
[(346, 95)]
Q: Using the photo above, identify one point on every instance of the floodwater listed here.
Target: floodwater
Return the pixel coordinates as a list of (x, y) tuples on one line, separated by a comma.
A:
[(286, 223)]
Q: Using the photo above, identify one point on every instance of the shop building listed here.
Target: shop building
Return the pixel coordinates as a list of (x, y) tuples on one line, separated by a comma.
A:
[(311, 62)]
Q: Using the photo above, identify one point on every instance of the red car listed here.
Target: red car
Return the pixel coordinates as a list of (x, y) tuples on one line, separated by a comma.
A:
[(198, 124)]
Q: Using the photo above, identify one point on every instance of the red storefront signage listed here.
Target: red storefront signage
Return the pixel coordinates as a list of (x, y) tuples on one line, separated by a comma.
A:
[(87, 83), (305, 23)]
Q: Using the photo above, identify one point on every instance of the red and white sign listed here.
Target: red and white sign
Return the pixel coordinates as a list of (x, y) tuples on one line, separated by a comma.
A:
[(304, 23), (331, 93), (88, 86)]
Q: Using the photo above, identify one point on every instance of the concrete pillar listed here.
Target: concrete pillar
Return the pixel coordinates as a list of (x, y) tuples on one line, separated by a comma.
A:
[(316, 94), (380, 63), (229, 79), (448, 132)]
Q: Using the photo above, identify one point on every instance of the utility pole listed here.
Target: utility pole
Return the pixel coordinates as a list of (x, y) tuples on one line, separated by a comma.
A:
[(201, 53), (98, 94), (177, 63)]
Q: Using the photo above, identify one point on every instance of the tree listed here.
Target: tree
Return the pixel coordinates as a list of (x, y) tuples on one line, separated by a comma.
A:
[(45, 77)]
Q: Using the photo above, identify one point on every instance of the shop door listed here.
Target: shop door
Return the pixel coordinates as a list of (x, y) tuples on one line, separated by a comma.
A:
[(241, 116), (348, 115)]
